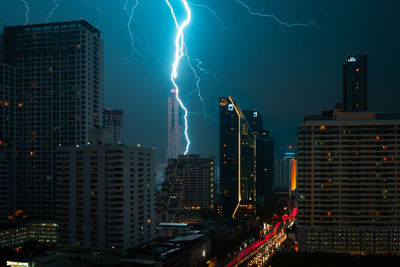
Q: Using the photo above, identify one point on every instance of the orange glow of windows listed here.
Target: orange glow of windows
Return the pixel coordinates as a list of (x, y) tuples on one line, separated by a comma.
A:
[(78, 46), (358, 69), (377, 137), (329, 213), (385, 159), (20, 105), (18, 212), (293, 176), (378, 175), (50, 69), (148, 221), (5, 103), (322, 127), (290, 147), (31, 153)]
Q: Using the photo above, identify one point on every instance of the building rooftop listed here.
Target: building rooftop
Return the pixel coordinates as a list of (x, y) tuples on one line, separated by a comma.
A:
[(184, 238), (340, 115), (55, 25)]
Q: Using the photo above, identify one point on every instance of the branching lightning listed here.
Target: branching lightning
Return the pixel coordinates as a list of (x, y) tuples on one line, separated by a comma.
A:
[(27, 11), (220, 21), (179, 53), (255, 12), (130, 12), (52, 11)]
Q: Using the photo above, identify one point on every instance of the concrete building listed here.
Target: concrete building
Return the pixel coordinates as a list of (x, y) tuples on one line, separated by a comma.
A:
[(264, 156), (112, 120), (348, 183), (8, 109), (285, 172), (58, 98), (175, 127), (237, 147), (355, 84), (105, 196), (188, 189)]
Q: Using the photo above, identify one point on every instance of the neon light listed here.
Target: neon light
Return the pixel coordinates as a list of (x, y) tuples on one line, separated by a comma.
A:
[(179, 46), (351, 59)]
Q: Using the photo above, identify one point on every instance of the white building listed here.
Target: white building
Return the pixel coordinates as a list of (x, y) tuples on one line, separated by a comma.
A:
[(105, 196), (175, 127)]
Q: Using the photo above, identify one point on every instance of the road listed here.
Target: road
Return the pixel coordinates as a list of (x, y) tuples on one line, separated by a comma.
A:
[(259, 252)]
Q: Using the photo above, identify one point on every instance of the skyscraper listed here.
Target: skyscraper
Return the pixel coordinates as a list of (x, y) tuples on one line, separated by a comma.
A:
[(106, 196), (264, 156), (187, 190), (285, 172), (112, 120), (348, 183), (175, 127), (237, 160), (355, 84), (58, 98), (8, 108)]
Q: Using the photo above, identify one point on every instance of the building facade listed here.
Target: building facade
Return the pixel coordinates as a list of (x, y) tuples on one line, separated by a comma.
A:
[(175, 127), (58, 98), (355, 84), (8, 109), (187, 190), (264, 156), (112, 120), (106, 196), (348, 183), (237, 148)]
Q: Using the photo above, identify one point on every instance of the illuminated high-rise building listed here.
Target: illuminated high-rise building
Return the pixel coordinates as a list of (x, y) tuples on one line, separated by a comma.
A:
[(58, 98), (348, 183), (237, 147), (355, 84), (285, 172), (175, 127), (8, 111), (264, 156), (112, 120)]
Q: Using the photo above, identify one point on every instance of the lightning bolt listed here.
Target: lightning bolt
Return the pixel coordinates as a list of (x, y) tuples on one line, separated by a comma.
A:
[(27, 11), (52, 11), (220, 21), (255, 12), (98, 10), (179, 53), (130, 14)]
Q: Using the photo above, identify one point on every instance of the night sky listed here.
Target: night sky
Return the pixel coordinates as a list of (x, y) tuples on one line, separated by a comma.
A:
[(284, 73)]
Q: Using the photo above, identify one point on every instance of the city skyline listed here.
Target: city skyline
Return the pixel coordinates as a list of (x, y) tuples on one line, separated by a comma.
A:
[(199, 133), (147, 90)]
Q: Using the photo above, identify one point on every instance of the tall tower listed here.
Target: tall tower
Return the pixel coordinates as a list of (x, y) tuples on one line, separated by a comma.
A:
[(58, 95), (355, 84), (237, 148), (175, 127)]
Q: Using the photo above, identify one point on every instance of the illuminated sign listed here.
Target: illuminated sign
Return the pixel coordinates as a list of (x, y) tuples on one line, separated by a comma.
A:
[(223, 103), (351, 59), (255, 114), (14, 263), (230, 107)]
